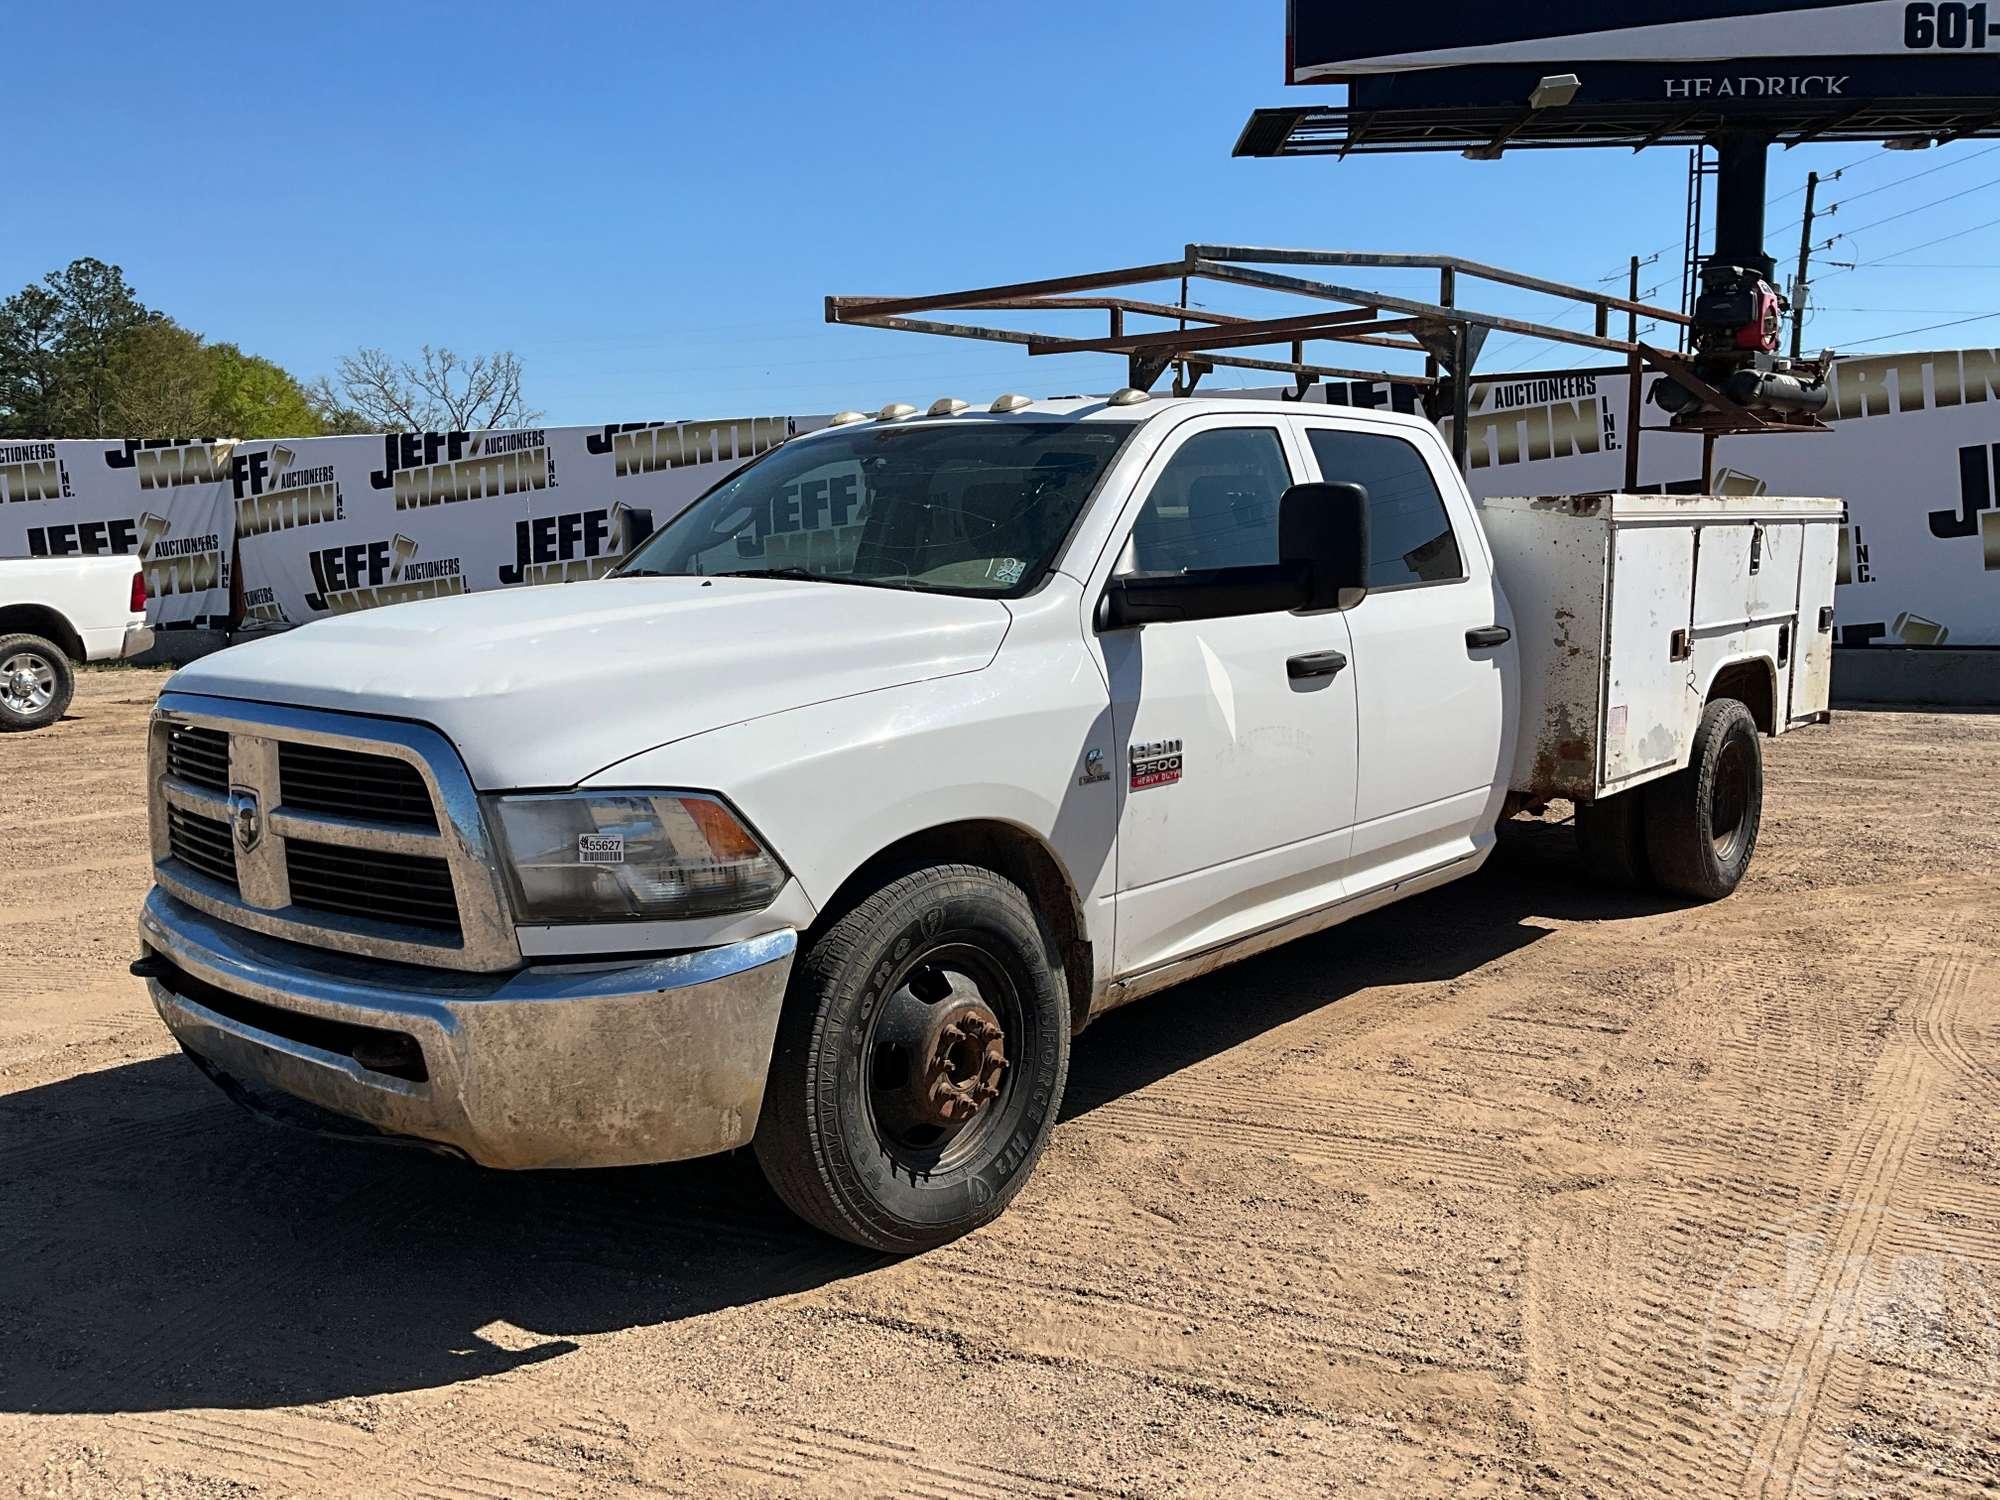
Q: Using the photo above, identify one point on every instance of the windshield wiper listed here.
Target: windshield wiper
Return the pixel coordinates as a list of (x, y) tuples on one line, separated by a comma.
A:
[(804, 574)]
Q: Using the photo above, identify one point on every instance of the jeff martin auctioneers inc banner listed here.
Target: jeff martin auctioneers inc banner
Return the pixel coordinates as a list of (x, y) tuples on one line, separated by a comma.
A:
[(321, 526)]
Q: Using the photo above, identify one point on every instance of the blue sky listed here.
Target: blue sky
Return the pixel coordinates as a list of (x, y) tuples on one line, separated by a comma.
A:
[(648, 203)]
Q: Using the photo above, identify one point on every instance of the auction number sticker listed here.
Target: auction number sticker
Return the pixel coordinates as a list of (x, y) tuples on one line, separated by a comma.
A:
[(600, 849)]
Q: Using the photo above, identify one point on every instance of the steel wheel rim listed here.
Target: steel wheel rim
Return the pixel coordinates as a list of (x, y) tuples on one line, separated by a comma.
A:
[(27, 682), (939, 979), (1729, 802)]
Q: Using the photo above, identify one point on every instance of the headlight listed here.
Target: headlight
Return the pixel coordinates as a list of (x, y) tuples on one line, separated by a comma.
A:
[(592, 856)]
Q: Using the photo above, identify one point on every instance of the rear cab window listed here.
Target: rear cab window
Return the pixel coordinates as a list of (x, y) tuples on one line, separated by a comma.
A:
[(1411, 541)]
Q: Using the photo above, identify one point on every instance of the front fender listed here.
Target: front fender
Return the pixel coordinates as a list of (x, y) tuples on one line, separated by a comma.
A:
[(833, 784)]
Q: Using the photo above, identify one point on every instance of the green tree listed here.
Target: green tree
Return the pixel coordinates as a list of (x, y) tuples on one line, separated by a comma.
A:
[(250, 397), (161, 384), (31, 364), (59, 341)]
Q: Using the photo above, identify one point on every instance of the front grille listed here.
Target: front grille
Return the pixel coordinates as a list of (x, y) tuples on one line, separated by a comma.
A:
[(199, 756), (353, 784), (202, 844), (364, 833), (402, 888)]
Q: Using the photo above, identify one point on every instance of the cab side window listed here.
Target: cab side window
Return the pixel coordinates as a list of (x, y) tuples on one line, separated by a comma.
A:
[(1409, 532), (1215, 505)]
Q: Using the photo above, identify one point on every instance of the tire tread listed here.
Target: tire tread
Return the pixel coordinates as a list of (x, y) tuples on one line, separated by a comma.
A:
[(1678, 850)]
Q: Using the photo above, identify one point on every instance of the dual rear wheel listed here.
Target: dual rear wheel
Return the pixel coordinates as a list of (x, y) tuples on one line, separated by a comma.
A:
[(1692, 833)]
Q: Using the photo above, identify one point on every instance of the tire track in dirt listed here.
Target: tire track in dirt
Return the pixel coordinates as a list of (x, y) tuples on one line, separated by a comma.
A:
[(263, 1449), (883, 1466), (1634, 1413), (1770, 1115)]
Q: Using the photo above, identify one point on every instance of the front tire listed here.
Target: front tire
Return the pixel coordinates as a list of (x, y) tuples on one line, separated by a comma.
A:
[(36, 682), (919, 1064), (1702, 822)]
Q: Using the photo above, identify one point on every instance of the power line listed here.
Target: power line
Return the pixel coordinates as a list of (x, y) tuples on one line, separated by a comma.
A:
[(1920, 208), (1833, 176), (1943, 166), (1957, 234), (1927, 328)]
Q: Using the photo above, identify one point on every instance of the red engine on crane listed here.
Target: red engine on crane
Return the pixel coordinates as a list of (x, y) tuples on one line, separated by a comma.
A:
[(1738, 312)]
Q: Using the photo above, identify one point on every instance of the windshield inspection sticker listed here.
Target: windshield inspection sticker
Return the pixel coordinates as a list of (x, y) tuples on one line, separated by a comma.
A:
[(600, 849), (1156, 763)]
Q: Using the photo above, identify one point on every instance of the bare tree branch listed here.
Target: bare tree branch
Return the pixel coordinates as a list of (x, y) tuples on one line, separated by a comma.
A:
[(441, 391)]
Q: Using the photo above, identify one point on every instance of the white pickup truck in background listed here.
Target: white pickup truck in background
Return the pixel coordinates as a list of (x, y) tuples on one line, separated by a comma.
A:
[(902, 754), (59, 610)]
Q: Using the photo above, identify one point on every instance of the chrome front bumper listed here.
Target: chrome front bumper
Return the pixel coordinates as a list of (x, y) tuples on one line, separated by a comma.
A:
[(553, 1065)]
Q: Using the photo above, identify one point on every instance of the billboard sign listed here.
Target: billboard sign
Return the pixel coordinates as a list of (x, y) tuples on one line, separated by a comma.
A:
[(1733, 56)]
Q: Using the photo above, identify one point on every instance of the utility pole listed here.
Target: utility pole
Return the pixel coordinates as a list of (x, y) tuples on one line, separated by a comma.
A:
[(1799, 286), (1635, 376)]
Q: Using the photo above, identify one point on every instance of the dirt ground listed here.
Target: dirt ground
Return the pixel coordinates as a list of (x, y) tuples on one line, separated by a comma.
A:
[(1522, 1188)]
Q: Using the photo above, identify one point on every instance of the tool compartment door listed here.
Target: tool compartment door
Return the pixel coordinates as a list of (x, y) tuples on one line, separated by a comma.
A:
[(1651, 590), (1812, 657)]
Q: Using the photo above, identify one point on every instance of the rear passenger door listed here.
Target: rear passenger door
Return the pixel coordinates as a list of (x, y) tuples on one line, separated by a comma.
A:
[(1435, 681)]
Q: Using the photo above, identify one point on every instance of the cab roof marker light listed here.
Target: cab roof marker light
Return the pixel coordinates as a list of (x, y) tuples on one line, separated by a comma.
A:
[(895, 411), (843, 418), (1012, 401), (948, 406), (1129, 396)]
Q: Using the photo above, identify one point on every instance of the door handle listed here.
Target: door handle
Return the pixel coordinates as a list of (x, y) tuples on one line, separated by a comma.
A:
[(1316, 664), (1488, 635)]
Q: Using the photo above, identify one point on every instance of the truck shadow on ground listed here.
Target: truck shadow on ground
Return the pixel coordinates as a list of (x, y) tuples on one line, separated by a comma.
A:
[(159, 1249)]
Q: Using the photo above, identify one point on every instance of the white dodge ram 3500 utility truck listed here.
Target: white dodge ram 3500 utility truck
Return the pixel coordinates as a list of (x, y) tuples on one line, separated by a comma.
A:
[(828, 821), (58, 610)]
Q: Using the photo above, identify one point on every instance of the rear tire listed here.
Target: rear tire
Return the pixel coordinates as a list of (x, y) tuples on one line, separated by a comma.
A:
[(36, 682), (1702, 823), (919, 1064), (1611, 838)]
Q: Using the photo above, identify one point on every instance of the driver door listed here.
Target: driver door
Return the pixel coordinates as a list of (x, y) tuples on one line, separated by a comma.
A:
[(1237, 737)]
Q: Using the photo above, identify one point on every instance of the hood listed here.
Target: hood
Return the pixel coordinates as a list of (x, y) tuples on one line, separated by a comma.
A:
[(540, 687)]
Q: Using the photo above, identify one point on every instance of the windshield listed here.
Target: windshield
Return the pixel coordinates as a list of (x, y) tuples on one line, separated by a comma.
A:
[(966, 508)]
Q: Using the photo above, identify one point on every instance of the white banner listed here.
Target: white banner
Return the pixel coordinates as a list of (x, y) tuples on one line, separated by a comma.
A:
[(1914, 450), (165, 503), (326, 525)]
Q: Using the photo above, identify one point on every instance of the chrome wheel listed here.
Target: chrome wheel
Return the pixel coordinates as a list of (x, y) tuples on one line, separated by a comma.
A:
[(27, 683)]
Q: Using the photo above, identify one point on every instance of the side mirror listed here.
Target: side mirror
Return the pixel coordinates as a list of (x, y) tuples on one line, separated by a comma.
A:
[(1323, 529), (1209, 594), (635, 524), (1322, 564)]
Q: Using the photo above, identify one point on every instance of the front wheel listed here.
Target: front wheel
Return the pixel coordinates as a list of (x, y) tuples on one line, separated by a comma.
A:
[(1702, 823), (919, 1064)]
